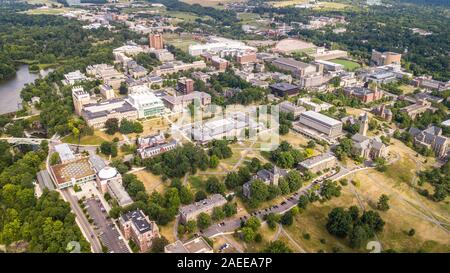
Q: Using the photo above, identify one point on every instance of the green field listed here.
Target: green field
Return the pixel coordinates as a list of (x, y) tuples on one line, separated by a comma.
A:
[(349, 65)]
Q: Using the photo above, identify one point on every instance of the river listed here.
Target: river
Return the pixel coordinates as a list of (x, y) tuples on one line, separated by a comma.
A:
[(10, 100)]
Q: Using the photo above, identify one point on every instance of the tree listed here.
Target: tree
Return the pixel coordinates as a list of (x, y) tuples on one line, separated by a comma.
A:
[(248, 234), (253, 223), (218, 214), (329, 189), (213, 161), (303, 201), (277, 247), (54, 159), (190, 226), (112, 126), (294, 180), (383, 203), (230, 209), (339, 222), (200, 195), (203, 220), (213, 185), (373, 220), (287, 219), (109, 148), (186, 196), (232, 180), (272, 220), (158, 244), (380, 163), (358, 236)]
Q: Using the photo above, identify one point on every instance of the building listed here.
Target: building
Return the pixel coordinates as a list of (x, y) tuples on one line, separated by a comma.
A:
[(198, 75), (72, 173), (245, 57), (381, 77), (109, 181), (179, 103), (74, 77), (321, 123), (65, 153), (364, 124), (282, 89), (190, 212), (219, 63), (429, 83), (385, 58), (136, 226), (80, 98), (419, 107), (195, 245), (146, 104), (298, 69), (177, 66), (289, 107), (368, 148), (220, 46), (364, 94), (107, 73), (156, 41), (107, 91), (431, 138), (330, 66), (154, 145), (383, 112), (314, 105), (268, 177), (44, 180), (313, 80), (318, 163), (321, 54), (164, 55), (96, 114), (185, 85)]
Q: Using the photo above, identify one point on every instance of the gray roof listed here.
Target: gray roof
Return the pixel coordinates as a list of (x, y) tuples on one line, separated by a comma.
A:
[(283, 86), (138, 219), (291, 62), (125, 107), (321, 118)]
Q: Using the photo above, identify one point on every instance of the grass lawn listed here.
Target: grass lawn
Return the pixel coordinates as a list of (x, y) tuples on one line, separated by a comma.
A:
[(86, 140), (182, 42), (330, 6), (151, 182), (348, 65), (49, 11)]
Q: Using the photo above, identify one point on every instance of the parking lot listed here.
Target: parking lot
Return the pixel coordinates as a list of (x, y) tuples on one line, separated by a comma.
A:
[(104, 227)]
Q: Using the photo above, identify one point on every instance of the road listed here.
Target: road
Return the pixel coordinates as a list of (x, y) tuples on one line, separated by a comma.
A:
[(82, 221)]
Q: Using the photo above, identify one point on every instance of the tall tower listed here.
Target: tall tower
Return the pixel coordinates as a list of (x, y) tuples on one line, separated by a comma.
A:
[(156, 41), (364, 124), (80, 98)]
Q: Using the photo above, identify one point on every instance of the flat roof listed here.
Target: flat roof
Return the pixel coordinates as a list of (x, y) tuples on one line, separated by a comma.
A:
[(64, 151), (313, 161), (138, 219), (321, 117), (75, 169)]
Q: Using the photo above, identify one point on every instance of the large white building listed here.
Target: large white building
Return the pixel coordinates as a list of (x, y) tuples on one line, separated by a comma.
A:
[(220, 46), (146, 103), (321, 123)]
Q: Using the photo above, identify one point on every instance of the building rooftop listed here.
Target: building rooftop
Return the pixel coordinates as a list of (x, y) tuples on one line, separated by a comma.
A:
[(74, 169), (283, 86), (313, 161), (320, 117), (210, 201), (64, 151), (195, 245), (138, 219), (102, 109), (292, 62)]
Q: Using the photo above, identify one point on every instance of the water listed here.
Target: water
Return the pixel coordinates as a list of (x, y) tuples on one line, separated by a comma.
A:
[(10, 100)]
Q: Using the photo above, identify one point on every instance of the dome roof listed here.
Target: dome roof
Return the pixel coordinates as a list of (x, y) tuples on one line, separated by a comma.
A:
[(107, 173)]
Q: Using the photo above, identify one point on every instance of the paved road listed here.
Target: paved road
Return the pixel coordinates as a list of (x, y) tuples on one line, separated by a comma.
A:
[(82, 221), (105, 228)]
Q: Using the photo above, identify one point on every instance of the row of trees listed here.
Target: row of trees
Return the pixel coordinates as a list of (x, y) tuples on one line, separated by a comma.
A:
[(125, 127)]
